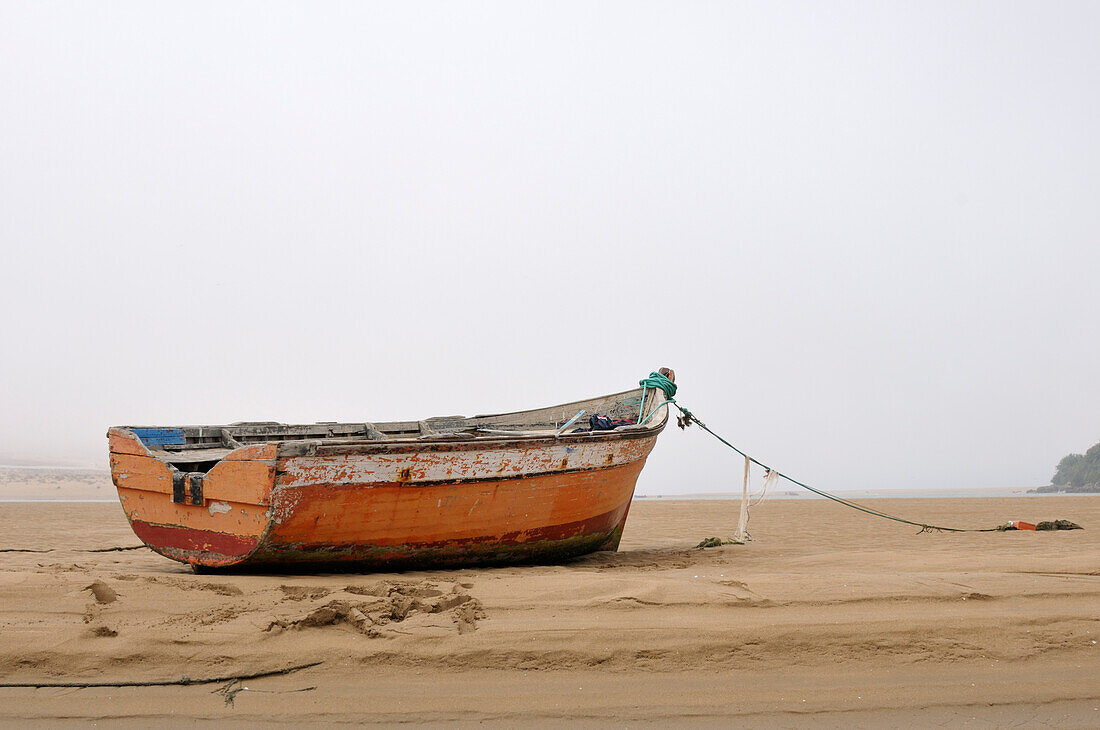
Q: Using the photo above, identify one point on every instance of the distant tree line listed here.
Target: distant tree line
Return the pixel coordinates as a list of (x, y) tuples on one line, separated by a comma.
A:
[(1079, 470)]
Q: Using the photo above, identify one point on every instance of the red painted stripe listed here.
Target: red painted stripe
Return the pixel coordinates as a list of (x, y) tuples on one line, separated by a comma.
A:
[(185, 538)]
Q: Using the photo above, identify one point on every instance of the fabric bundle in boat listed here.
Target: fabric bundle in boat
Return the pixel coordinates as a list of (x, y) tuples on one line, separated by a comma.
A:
[(604, 423)]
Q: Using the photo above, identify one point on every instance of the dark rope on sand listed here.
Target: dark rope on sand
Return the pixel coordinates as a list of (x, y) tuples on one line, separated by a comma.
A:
[(58, 550), (116, 549), (184, 680)]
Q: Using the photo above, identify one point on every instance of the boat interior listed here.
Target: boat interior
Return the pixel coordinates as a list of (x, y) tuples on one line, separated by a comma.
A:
[(199, 448)]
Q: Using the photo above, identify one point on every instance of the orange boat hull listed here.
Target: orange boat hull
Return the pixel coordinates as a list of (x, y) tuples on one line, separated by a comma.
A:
[(380, 507), (546, 517)]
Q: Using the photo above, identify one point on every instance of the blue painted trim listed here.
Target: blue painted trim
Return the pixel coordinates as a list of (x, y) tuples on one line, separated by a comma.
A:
[(160, 436)]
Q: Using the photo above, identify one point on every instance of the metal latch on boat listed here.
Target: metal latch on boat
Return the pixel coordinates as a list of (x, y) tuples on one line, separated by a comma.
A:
[(187, 488)]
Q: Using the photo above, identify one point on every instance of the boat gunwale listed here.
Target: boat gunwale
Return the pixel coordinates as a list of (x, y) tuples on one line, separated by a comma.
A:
[(288, 447), (327, 447)]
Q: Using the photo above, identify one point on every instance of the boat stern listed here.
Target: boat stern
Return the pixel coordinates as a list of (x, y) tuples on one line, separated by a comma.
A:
[(210, 519)]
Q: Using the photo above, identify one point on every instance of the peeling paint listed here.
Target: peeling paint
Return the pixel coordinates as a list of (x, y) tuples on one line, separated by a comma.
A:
[(219, 508), (490, 460)]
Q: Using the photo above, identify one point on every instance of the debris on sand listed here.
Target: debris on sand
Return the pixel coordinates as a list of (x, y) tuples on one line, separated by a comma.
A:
[(717, 542), (393, 602)]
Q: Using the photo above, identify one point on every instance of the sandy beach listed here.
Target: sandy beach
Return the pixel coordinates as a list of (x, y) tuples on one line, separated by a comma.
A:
[(827, 615)]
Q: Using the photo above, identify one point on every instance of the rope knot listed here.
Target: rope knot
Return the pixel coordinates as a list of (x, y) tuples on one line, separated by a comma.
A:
[(656, 380)]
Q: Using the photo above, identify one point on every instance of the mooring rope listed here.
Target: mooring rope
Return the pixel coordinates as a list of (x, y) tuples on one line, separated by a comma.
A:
[(656, 380)]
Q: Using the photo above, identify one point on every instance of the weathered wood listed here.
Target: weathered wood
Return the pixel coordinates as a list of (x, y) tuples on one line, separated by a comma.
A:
[(234, 480), (141, 472), (444, 513), (241, 481), (618, 405), (516, 434), (123, 441), (446, 423), (469, 460), (373, 433), (254, 452), (228, 440), (156, 436), (192, 456), (449, 435), (240, 519)]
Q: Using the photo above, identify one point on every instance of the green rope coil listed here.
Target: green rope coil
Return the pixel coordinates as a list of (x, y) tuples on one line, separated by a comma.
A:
[(655, 381)]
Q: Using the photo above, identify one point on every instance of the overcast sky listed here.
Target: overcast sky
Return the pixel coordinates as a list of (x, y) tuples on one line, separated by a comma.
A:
[(866, 235)]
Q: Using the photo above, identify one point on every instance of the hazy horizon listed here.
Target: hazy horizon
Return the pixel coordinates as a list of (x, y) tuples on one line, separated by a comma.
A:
[(866, 236)]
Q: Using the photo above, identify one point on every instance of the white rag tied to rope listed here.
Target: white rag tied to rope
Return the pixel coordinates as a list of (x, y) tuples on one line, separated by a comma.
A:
[(770, 477)]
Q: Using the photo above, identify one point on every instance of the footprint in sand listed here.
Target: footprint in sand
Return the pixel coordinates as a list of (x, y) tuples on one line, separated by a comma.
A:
[(224, 589), (742, 594), (393, 602), (102, 592), (303, 593)]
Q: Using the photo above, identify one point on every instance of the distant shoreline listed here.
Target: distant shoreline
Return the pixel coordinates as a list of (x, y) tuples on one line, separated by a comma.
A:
[(896, 494), (45, 467), (1068, 489), (58, 501)]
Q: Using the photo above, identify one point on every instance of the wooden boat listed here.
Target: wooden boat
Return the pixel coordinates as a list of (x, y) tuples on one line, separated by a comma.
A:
[(505, 488)]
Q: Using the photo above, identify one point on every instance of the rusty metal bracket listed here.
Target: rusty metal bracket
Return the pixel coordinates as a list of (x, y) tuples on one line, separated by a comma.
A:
[(179, 489), (196, 488), (187, 488)]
